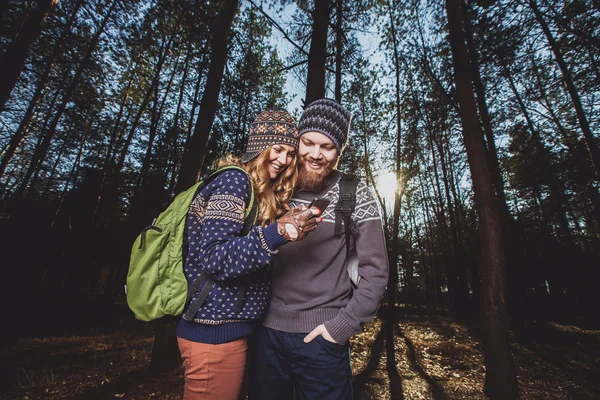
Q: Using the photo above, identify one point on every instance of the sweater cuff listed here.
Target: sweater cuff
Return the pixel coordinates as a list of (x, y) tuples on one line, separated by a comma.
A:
[(272, 237), (339, 330)]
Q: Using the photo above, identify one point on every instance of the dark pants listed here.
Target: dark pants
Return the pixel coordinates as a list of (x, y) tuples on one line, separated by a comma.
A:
[(284, 367)]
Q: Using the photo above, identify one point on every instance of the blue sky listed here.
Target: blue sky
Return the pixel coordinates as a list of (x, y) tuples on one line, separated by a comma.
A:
[(295, 87)]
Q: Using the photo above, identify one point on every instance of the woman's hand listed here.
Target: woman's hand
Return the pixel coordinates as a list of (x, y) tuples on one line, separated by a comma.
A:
[(295, 224)]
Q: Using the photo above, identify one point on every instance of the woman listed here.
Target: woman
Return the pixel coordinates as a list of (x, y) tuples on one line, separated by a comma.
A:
[(213, 343)]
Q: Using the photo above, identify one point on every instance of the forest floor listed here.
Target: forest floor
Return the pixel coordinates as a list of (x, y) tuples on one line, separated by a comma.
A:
[(436, 358)]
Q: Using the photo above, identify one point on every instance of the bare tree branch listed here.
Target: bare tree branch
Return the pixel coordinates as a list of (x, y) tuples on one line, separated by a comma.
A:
[(279, 28), (293, 66)]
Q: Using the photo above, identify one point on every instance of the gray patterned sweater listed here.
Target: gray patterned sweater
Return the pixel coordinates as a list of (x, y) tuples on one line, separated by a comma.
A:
[(310, 283)]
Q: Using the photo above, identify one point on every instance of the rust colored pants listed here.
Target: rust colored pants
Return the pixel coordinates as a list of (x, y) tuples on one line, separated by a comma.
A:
[(213, 371)]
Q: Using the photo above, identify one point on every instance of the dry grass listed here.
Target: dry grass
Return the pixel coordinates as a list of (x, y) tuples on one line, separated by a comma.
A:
[(435, 358)]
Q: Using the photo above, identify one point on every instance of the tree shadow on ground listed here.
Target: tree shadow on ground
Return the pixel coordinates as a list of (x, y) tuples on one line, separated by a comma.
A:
[(436, 388), (383, 336), (360, 380), (396, 392), (570, 349)]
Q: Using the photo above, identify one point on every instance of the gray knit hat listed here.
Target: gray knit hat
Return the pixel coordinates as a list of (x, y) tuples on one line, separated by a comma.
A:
[(328, 117), (271, 127)]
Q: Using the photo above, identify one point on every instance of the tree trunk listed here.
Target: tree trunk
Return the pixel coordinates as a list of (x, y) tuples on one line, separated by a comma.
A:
[(449, 261), (72, 175), (165, 352), (18, 137), (435, 281), (492, 154), (568, 79), (458, 211), (201, 67), (50, 177), (245, 91), (339, 36), (40, 151), (568, 141), (141, 208), (393, 274), (317, 56), (195, 150), (462, 286), (164, 51), (556, 187), (173, 132), (157, 112), (22, 130), (544, 96), (436, 81), (500, 379), (109, 157), (14, 58), (390, 323), (46, 118)]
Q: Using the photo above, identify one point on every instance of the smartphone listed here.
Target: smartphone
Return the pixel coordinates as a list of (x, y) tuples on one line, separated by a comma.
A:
[(320, 202)]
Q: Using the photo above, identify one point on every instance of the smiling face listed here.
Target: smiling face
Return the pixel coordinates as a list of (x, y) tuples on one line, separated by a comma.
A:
[(318, 156), (280, 157)]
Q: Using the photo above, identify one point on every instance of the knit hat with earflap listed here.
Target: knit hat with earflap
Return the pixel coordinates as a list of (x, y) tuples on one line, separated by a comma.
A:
[(328, 117), (271, 127)]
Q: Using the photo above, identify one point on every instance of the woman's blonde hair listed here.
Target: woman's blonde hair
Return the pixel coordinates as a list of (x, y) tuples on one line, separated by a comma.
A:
[(271, 195)]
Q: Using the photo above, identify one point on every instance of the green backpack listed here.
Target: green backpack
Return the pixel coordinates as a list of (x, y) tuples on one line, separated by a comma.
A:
[(156, 282)]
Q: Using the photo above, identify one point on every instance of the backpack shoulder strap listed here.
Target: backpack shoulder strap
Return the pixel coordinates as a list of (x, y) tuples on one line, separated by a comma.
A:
[(346, 204), (195, 305), (344, 209), (250, 220)]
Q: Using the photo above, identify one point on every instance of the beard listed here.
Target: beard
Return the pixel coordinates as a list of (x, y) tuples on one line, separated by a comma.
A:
[(313, 180)]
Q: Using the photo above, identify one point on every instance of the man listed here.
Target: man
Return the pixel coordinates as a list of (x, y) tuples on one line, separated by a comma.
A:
[(302, 348)]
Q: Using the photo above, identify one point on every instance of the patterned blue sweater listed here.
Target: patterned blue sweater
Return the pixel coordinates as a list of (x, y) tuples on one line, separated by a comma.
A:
[(214, 224)]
